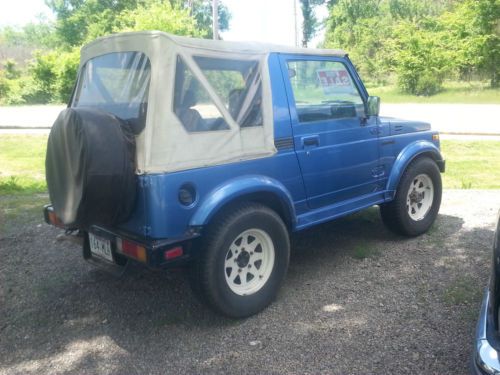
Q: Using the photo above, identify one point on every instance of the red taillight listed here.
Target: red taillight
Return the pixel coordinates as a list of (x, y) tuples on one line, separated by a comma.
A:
[(131, 249), (55, 220), (173, 253)]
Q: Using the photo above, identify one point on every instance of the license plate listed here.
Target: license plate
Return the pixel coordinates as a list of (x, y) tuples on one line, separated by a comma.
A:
[(100, 247)]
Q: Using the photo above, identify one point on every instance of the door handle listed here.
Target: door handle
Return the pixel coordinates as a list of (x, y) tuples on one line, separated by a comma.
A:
[(312, 141)]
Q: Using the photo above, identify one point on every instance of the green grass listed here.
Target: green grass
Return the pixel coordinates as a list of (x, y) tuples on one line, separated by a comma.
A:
[(453, 92), (20, 208), (471, 164), (22, 159)]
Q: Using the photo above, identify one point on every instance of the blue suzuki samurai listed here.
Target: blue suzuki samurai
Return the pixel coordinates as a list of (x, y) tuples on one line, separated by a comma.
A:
[(179, 151)]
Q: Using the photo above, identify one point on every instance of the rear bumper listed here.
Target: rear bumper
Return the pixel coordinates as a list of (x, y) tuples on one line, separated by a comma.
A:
[(155, 248), (485, 359)]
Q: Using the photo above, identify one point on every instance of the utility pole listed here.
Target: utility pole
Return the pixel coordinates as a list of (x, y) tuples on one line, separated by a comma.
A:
[(296, 33), (215, 19)]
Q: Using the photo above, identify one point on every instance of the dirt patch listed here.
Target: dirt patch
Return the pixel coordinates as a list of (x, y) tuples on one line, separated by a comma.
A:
[(357, 299)]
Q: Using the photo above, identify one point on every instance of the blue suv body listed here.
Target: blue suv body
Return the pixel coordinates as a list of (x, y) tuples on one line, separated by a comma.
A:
[(332, 157)]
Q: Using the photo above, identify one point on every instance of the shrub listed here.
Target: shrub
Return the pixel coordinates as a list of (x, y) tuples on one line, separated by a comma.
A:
[(50, 79), (67, 70), (421, 62), (43, 73)]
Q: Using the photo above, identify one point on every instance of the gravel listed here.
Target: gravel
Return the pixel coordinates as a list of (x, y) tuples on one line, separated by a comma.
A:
[(357, 300)]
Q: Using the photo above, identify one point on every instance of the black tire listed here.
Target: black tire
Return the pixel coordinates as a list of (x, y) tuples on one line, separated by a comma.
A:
[(395, 214), (207, 273)]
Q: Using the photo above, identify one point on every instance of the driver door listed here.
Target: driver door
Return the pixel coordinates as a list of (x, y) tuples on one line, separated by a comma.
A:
[(336, 145)]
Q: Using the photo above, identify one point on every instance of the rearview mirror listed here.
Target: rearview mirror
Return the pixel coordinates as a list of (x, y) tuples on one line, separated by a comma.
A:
[(373, 106)]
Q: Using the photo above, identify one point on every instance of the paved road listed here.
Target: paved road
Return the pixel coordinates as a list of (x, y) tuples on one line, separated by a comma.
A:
[(32, 116), (479, 119)]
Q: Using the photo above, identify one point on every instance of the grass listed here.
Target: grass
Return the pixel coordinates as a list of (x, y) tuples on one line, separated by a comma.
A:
[(20, 208), (471, 164), (22, 179), (22, 158), (453, 92)]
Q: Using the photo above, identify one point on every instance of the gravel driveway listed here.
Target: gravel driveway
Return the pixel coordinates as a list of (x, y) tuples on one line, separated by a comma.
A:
[(357, 299)]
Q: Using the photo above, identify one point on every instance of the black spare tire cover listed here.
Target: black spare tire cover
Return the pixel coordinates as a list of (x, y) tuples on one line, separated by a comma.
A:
[(90, 168)]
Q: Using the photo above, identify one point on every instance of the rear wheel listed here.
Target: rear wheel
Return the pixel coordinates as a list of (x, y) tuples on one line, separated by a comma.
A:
[(243, 260), (417, 201)]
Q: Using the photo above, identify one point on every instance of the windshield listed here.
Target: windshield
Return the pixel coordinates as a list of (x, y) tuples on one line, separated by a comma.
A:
[(117, 83)]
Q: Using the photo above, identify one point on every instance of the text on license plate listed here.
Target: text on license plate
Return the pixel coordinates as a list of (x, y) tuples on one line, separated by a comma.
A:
[(100, 247)]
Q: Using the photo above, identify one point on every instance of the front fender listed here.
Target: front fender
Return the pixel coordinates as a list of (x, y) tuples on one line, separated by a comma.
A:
[(238, 188), (405, 157)]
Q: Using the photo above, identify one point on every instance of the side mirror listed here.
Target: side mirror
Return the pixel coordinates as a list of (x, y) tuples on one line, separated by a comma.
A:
[(373, 106)]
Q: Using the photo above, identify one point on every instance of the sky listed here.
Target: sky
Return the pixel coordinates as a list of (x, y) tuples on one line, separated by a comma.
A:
[(20, 12), (269, 21)]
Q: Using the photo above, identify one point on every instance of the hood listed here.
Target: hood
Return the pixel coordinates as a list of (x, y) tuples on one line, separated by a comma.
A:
[(399, 126)]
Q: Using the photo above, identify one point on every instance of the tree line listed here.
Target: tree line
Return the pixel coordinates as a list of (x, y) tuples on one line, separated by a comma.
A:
[(417, 43), (52, 49)]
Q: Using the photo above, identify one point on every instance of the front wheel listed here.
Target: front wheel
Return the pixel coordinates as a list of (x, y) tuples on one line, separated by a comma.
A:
[(243, 260), (417, 201)]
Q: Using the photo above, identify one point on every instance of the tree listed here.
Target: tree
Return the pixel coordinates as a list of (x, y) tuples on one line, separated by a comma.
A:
[(310, 23), (81, 20), (201, 11), (474, 38), (351, 26), (158, 16), (421, 58)]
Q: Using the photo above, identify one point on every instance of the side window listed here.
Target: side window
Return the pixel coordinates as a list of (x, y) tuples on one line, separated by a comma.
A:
[(238, 84), (192, 104), (324, 90)]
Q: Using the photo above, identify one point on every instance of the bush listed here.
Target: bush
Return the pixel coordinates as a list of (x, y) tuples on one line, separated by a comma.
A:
[(43, 72), (49, 79), (11, 90), (66, 72), (421, 62)]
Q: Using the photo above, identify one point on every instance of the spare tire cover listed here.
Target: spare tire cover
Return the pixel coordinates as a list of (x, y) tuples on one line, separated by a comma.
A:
[(90, 168)]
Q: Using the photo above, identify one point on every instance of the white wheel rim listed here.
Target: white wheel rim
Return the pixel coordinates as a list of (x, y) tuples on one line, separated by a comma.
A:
[(420, 197), (249, 262)]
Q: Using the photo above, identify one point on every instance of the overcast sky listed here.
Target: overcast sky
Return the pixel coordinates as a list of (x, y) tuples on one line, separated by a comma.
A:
[(269, 21)]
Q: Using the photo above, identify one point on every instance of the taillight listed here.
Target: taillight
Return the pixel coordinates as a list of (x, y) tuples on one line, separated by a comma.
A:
[(54, 220), (131, 249), (173, 253)]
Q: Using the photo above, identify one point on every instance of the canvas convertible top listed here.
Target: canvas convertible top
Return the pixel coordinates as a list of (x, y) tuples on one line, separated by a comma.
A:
[(196, 102), (212, 45)]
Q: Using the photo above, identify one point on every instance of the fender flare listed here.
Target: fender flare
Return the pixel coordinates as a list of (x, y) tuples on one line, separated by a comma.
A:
[(240, 187), (405, 157)]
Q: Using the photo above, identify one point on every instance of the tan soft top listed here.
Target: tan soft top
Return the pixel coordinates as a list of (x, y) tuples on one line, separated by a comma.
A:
[(164, 145), (221, 45)]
